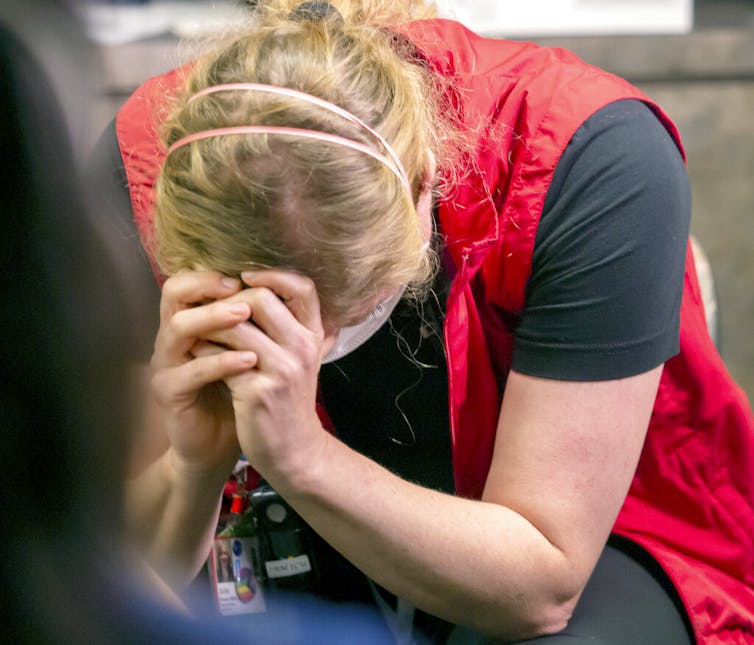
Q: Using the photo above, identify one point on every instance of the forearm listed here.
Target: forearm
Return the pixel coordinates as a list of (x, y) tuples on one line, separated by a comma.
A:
[(172, 517), (467, 561)]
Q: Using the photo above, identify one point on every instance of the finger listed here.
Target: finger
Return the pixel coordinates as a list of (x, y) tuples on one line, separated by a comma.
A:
[(208, 367), (297, 292), (272, 353), (283, 333), (234, 358), (200, 321), (247, 336), (270, 314), (203, 348), (190, 288), (182, 330)]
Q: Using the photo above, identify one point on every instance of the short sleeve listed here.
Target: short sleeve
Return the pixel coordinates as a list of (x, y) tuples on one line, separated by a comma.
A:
[(603, 300)]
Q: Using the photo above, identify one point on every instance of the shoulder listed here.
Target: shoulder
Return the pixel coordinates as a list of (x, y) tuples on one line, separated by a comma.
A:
[(137, 126), (137, 121), (604, 291), (625, 139)]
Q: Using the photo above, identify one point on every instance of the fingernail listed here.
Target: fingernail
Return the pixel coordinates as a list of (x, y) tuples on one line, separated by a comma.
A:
[(230, 283), (239, 309), (248, 275)]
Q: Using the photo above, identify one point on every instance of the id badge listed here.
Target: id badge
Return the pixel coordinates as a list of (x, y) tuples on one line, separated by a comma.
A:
[(235, 583)]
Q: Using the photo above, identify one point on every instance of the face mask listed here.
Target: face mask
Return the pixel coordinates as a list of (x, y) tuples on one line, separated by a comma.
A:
[(353, 337)]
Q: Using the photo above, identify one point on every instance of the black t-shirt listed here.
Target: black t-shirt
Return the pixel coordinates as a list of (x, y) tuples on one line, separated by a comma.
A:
[(604, 296)]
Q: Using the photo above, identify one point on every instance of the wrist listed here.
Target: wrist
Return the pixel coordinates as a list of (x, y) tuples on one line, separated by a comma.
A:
[(198, 480), (303, 471)]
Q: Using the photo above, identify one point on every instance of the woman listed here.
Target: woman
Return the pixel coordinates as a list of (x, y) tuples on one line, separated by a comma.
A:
[(224, 567), (488, 441)]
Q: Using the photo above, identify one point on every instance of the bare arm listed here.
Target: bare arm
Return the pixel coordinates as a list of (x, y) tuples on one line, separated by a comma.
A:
[(186, 446), (515, 563), (511, 565), (172, 517)]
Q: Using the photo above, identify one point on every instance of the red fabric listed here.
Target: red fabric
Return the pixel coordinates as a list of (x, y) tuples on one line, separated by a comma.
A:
[(691, 503), (137, 129)]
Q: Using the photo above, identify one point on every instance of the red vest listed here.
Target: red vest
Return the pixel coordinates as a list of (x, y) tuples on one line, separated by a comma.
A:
[(691, 503)]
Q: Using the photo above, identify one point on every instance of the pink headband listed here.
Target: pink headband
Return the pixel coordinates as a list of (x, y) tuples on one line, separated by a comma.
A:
[(392, 162)]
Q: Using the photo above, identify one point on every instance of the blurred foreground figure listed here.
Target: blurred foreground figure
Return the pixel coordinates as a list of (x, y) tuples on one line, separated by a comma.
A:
[(72, 303)]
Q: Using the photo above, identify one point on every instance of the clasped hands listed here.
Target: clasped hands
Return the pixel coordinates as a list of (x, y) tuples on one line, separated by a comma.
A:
[(235, 367)]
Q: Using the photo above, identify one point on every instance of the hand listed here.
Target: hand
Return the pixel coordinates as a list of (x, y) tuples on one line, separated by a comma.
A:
[(194, 404), (275, 401)]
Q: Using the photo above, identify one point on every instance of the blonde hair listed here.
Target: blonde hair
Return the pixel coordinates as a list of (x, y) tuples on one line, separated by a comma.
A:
[(232, 203)]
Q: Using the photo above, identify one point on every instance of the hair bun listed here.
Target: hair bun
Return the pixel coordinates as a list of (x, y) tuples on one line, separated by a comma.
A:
[(316, 11)]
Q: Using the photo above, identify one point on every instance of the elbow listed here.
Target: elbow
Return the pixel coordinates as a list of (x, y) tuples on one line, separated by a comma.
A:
[(530, 619), (552, 619)]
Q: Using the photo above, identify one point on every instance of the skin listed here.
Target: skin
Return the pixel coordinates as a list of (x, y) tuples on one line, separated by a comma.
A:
[(512, 564)]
